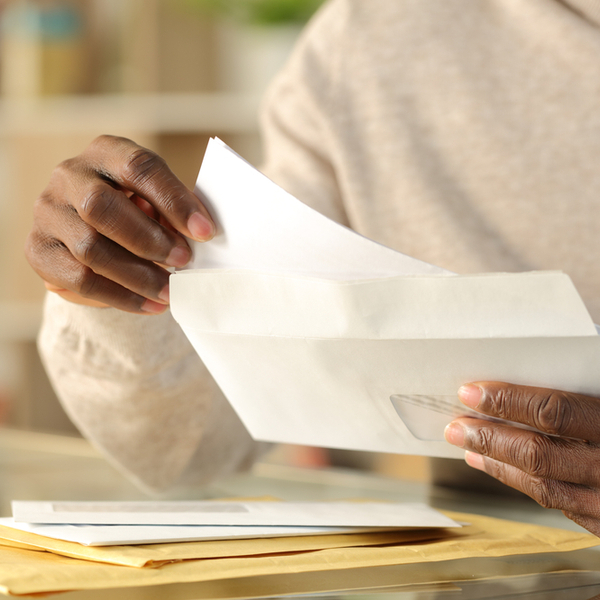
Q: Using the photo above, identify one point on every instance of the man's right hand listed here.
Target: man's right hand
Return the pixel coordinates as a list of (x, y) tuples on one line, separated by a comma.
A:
[(108, 220)]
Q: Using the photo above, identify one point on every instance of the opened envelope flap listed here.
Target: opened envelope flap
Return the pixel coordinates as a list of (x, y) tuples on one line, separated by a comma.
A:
[(504, 305)]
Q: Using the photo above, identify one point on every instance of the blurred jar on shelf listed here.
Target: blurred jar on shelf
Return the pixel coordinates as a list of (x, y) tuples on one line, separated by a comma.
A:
[(43, 48)]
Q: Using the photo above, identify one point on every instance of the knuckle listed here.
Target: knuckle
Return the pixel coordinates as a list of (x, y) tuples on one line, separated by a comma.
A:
[(535, 455), (553, 413), (155, 241), (65, 169), (102, 140), (496, 403), (541, 490), (96, 203), (91, 251), (173, 201), (140, 165), (483, 441), (107, 141), (85, 282), (43, 202), (34, 246), (40, 251), (55, 191), (145, 280)]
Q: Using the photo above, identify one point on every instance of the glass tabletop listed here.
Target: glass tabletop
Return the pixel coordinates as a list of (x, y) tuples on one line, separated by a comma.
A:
[(45, 467)]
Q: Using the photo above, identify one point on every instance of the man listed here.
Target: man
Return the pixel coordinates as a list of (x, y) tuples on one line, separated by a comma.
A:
[(463, 133)]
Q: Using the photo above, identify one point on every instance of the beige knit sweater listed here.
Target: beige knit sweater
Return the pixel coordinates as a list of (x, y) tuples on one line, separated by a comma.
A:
[(464, 133)]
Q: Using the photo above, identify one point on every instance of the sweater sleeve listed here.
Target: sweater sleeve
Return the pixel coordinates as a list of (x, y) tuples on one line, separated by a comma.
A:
[(135, 387)]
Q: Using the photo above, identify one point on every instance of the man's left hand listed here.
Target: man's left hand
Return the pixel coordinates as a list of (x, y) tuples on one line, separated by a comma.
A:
[(560, 470)]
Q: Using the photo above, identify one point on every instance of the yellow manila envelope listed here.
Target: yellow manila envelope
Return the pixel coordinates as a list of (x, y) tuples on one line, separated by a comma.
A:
[(152, 555), (27, 572)]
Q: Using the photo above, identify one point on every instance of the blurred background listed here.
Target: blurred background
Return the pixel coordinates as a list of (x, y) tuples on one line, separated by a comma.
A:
[(166, 73)]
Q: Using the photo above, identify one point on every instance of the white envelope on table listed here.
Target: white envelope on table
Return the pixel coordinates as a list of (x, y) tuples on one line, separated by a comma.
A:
[(296, 515), (109, 535), (319, 336)]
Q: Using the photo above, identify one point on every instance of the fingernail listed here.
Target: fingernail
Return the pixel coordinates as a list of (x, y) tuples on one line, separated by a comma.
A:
[(179, 257), (470, 395), (164, 294), (153, 308), (475, 460), (455, 435), (200, 227)]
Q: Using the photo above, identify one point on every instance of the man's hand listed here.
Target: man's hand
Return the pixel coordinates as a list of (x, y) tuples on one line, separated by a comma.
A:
[(108, 220), (558, 472)]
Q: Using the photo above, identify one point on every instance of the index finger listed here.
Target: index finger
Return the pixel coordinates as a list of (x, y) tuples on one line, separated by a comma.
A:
[(143, 172), (550, 411)]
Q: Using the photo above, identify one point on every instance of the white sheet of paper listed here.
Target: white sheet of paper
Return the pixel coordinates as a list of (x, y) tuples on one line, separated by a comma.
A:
[(262, 227), (231, 513), (110, 535), (320, 336)]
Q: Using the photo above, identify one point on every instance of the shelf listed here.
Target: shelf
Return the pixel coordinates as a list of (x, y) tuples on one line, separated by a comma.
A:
[(145, 113), (16, 440)]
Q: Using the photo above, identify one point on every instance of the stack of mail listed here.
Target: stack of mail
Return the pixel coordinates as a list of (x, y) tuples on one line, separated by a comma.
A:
[(405, 545), (109, 523), (320, 336)]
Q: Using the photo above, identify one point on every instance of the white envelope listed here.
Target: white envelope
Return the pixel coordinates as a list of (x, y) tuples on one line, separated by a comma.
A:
[(232, 513), (110, 535), (320, 336)]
